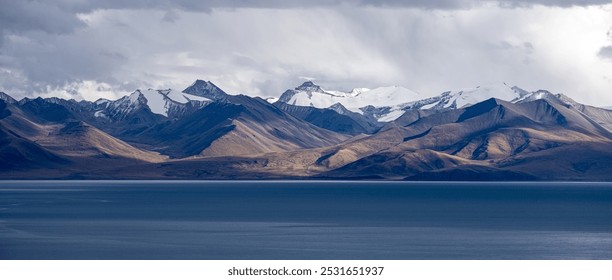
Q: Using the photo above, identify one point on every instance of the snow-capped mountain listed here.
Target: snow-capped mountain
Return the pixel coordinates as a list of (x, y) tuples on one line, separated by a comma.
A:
[(547, 95), (121, 107), (6, 98), (167, 103), (205, 89), (386, 104), (496, 131), (601, 116), (164, 101), (469, 96), (358, 100)]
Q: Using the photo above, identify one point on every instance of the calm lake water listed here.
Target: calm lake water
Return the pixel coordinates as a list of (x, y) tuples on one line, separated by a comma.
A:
[(304, 220)]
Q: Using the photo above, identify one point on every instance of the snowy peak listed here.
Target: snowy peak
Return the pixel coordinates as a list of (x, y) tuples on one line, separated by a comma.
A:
[(339, 109), (162, 102), (136, 98), (122, 106), (471, 96), (309, 86), (165, 102), (205, 89), (547, 95), (311, 95), (468, 96), (7, 98), (536, 95)]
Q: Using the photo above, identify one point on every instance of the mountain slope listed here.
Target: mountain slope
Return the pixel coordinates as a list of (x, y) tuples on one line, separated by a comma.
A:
[(7, 98), (481, 134), (130, 115), (17, 151), (30, 137), (600, 115), (43, 111), (169, 103), (459, 135), (240, 125), (79, 139), (345, 122), (206, 89)]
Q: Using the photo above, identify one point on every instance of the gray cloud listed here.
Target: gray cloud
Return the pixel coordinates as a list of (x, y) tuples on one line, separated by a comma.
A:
[(60, 16), (195, 5), (89, 48), (554, 3), (170, 16), (19, 16), (605, 52)]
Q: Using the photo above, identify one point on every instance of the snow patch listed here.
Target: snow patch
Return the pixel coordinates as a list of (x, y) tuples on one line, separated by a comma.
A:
[(393, 115), (134, 97), (467, 97), (100, 114), (159, 101), (271, 99), (102, 101)]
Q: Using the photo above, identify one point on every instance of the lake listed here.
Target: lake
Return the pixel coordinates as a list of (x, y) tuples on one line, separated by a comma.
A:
[(304, 220)]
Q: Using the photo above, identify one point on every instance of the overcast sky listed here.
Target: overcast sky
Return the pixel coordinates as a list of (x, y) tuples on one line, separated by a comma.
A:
[(91, 49)]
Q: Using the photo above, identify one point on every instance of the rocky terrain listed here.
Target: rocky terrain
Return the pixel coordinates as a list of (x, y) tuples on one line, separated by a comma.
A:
[(495, 132)]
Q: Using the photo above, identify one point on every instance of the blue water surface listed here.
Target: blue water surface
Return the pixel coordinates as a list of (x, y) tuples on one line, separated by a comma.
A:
[(304, 220)]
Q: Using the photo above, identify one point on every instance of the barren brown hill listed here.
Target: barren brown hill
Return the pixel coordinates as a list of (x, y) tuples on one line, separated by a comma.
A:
[(239, 125), (541, 137)]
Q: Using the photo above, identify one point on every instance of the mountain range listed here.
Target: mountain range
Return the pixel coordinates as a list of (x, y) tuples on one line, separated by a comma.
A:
[(495, 132)]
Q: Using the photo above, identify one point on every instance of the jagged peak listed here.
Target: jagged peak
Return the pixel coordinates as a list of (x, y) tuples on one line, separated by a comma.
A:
[(547, 95), (134, 100), (339, 108), (309, 86), (7, 98), (203, 84), (59, 100), (136, 96), (206, 89)]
